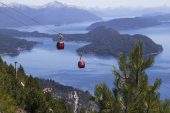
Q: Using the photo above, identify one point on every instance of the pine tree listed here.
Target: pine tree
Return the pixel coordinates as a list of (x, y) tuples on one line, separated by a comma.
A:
[(11, 70), (131, 92)]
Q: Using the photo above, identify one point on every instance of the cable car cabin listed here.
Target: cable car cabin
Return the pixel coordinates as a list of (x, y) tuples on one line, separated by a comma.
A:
[(60, 42), (81, 64), (60, 45)]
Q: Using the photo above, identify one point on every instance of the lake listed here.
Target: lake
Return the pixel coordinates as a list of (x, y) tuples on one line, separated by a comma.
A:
[(45, 61)]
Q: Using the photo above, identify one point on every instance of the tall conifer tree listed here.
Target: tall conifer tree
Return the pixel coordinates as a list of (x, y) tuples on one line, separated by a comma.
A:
[(132, 92)]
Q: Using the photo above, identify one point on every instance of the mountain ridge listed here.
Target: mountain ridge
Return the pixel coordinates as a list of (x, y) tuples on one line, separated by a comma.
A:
[(54, 4), (127, 23), (54, 13)]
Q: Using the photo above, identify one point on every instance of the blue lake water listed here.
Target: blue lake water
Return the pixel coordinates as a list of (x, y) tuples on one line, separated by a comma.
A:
[(46, 62)]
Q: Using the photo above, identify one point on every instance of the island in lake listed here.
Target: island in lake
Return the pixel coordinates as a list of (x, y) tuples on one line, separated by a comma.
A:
[(12, 46), (109, 42)]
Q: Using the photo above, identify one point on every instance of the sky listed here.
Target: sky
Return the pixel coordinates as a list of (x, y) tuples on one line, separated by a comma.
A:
[(98, 3)]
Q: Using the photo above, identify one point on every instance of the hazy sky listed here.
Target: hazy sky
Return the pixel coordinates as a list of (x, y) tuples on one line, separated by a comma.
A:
[(99, 3)]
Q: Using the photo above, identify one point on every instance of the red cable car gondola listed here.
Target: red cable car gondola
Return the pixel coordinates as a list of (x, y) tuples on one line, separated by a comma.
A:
[(60, 43), (81, 63)]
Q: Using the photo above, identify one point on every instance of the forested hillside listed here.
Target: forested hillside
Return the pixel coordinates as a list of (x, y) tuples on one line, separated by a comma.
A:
[(24, 94)]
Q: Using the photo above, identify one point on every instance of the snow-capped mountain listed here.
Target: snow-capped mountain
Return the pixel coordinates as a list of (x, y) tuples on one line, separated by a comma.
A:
[(16, 5), (13, 5), (54, 13), (55, 4)]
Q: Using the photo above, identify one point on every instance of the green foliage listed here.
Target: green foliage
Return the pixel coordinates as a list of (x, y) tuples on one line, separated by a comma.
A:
[(35, 101), (14, 96), (57, 106), (131, 92), (7, 104)]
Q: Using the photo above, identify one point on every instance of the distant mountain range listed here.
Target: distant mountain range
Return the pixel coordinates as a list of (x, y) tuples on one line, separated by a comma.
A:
[(16, 33), (122, 12), (162, 17), (127, 23), (55, 13), (148, 20)]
